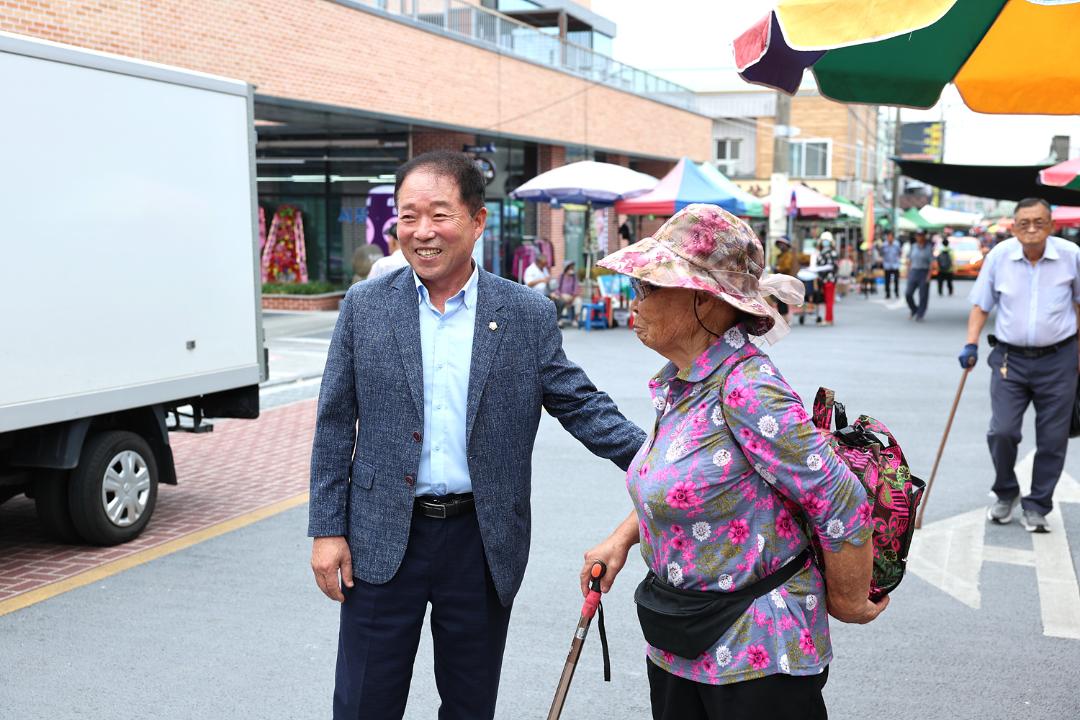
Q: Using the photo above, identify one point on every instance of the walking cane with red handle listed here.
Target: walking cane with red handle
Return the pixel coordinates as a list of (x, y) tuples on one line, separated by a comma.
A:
[(588, 609)]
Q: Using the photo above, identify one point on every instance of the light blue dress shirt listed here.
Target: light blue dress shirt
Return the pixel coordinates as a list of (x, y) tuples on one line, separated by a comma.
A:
[(1036, 303), (446, 340), (890, 255)]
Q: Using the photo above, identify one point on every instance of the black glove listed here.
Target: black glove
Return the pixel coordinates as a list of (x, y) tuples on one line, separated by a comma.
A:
[(969, 356)]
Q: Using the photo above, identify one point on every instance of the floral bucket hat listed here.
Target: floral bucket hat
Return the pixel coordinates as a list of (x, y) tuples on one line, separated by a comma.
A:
[(704, 247)]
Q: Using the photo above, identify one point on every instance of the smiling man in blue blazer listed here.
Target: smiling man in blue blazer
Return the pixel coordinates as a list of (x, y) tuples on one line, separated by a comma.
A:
[(421, 465)]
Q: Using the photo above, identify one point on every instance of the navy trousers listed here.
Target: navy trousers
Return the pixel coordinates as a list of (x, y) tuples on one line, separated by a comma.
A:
[(1048, 382), (918, 281), (444, 565)]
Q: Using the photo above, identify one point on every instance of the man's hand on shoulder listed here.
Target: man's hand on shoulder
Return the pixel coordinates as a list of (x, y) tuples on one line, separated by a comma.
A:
[(330, 556)]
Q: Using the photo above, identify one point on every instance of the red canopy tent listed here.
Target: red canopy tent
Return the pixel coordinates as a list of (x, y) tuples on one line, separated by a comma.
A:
[(1065, 216), (811, 203)]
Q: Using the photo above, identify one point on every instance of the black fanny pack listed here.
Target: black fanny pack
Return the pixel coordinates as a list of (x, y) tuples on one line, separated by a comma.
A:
[(689, 622)]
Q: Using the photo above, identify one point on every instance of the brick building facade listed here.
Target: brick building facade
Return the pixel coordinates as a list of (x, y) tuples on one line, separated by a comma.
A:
[(347, 91)]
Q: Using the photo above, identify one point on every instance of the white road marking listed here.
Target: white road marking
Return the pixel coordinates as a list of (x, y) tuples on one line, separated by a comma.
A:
[(949, 554)]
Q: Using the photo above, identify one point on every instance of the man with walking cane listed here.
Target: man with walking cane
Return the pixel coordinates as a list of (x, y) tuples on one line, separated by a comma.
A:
[(1034, 281)]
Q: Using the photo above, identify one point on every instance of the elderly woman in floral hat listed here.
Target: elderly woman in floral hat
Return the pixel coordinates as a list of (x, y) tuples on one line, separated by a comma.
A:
[(726, 489)]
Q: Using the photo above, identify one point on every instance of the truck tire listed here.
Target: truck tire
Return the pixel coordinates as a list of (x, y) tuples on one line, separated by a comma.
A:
[(51, 502), (114, 488)]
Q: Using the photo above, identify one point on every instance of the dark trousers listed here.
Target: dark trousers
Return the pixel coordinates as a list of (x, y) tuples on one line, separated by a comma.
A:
[(444, 565), (1050, 383), (892, 276), (776, 697), (944, 278), (918, 281)]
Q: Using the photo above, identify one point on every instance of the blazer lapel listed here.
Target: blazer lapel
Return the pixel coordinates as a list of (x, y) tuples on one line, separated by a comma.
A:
[(404, 315), (489, 309)]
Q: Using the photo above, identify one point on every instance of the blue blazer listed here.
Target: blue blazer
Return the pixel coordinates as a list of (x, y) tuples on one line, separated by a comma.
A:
[(365, 460)]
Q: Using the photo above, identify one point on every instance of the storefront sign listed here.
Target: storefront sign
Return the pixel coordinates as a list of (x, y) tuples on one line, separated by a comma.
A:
[(488, 148)]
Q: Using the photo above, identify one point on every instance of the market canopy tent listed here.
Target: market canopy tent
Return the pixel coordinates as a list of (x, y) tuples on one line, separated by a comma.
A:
[(903, 223), (684, 185), (750, 206), (811, 203), (1066, 216), (1001, 182), (884, 52), (585, 182), (848, 209), (1062, 175), (949, 218)]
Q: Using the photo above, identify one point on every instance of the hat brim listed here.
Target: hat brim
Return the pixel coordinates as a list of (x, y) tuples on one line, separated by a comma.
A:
[(649, 260)]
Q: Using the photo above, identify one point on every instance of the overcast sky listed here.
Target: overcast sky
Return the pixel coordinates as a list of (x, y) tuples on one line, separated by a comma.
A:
[(689, 42)]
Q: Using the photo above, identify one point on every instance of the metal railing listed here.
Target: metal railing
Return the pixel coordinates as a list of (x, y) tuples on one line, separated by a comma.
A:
[(461, 19)]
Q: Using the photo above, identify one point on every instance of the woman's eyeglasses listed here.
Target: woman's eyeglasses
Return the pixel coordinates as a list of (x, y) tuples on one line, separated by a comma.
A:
[(642, 289)]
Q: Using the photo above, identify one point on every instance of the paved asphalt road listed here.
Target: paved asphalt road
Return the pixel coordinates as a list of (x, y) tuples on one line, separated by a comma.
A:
[(235, 627)]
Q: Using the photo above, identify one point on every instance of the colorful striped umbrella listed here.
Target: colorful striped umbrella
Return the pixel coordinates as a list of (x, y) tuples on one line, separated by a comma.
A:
[(684, 185), (1004, 56), (1063, 175)]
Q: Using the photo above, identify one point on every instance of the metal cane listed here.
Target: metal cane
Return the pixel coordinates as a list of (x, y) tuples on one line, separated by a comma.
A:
[(941, 448), (588, 609)]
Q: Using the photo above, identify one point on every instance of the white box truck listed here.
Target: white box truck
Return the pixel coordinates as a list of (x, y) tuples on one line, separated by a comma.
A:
[(130, 291)]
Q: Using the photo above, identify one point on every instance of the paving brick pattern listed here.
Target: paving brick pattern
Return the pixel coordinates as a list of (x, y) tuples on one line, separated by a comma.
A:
[(241, 466)]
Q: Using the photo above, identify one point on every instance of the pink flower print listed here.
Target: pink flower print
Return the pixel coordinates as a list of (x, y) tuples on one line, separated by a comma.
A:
[(680, 543), (785, 525), (701, 240), (681, 496), (669, 658), (786, 623), (705, 665), (806, 642), (814, 504), (738, 397), (677, 529), (758, 657), (738, 531), (865, 512)]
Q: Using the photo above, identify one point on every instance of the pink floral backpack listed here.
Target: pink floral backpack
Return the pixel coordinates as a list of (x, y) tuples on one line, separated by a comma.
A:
[(871, 452)]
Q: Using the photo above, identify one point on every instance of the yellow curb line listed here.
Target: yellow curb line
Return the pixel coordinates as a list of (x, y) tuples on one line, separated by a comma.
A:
[(30, 597)]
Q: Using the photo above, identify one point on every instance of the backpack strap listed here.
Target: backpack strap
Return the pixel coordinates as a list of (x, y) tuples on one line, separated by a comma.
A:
[(825, 405), (865, 422)]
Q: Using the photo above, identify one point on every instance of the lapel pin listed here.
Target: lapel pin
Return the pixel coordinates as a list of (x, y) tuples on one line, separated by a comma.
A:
[(493, 325)]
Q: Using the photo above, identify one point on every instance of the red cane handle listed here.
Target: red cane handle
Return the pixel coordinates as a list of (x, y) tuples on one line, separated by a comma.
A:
[(592, 598), (598, 570)]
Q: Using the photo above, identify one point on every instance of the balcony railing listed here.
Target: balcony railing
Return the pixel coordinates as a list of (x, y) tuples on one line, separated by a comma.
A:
[(480, 25)]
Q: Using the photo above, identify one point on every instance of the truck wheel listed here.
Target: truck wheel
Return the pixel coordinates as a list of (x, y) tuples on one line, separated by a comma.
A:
[(51, 501), (114, 488)]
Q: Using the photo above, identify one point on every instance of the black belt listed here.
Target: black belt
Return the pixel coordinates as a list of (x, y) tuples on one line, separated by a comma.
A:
[(1031, 352), (443, 506)]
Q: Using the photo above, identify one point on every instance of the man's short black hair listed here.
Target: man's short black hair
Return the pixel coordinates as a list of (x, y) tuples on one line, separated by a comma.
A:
[(457, 166), (1032, 202)]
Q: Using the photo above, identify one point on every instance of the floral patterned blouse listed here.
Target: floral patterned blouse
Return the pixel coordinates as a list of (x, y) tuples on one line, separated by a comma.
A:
[(731, 467)]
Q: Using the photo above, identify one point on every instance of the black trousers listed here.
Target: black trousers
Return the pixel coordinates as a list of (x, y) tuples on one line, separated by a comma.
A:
[(775, 697), (944, 278), (892, 276), (444, 565), (1049, 383)]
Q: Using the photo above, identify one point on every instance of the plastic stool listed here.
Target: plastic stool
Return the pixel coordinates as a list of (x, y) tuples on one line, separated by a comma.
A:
[(593, 315)]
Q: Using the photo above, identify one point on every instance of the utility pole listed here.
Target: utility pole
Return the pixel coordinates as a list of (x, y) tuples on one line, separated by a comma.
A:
[(894, 219), (779, 190)]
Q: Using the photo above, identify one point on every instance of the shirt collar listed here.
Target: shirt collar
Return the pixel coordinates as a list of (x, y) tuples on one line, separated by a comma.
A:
[(719, 353), (1050, 253), (467, 293)]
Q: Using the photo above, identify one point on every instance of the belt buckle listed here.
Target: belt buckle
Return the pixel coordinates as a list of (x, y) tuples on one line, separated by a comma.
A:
[(438, 510)]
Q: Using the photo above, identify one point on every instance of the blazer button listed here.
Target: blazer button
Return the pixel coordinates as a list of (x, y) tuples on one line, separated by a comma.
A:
[(410, 480), (417, 437)]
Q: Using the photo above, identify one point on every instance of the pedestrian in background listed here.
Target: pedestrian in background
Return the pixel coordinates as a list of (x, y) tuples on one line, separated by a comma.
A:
[(734, 478), (537, 275), (395, 260), (945, 267), (920, 258), (567, 292), (1033, 279), (825, 266), (890, 262), (421, 462), (787, 263)]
